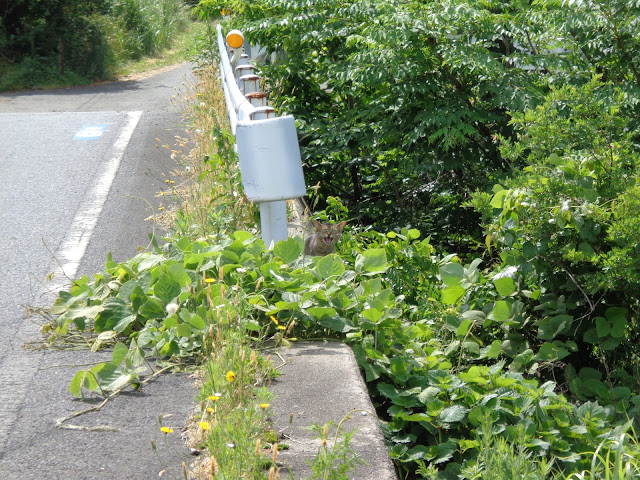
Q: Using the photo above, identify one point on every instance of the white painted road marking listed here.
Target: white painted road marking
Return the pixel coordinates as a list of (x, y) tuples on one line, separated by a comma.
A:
[(73, 247), (90, 132)]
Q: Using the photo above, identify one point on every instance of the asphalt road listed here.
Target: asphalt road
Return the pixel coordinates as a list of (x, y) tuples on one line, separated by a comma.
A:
[(80, 169)]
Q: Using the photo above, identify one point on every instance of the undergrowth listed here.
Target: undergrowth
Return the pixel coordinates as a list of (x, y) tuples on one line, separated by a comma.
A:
[(454, 403)]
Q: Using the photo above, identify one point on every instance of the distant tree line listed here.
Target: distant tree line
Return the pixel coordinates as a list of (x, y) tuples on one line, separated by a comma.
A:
[(85, 37)]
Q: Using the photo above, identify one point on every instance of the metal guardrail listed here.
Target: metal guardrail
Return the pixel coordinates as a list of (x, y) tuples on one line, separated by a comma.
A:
[(267, 145)]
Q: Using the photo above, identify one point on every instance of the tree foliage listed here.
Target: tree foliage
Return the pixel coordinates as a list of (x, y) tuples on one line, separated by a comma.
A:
[(84, 37), (509, 133), (399, 103)]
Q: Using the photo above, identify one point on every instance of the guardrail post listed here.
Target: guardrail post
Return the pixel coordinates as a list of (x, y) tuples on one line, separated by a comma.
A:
[(267, 145)]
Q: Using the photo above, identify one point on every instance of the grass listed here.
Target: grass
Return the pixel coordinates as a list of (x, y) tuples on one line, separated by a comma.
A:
[(231, 423), (180, 50)]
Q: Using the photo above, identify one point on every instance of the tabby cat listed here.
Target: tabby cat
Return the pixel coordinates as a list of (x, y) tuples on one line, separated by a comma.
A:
[(323, 242)]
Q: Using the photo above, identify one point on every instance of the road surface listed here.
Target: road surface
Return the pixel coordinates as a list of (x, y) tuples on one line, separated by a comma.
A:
[(80, 169)]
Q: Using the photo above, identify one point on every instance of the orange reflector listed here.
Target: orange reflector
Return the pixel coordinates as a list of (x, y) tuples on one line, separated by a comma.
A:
[(235, 39)]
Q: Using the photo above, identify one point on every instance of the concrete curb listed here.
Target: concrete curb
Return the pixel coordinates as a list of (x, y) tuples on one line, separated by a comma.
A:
[(320, 382)]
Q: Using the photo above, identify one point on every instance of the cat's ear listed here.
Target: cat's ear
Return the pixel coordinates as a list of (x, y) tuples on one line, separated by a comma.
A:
[(341, 225), (317, 224)]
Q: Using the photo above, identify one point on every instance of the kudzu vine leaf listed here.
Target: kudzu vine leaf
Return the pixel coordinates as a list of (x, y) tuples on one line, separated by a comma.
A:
[(183, 330), (320, 313), (505, 286), (428, 394), (287, 250), (452, 414), (371, 261), (451, 274), (120, 351), (618, 318), (329, 266), (116, 315), (372, 314), (166, 288), (83, 379), (197, 322), (152, 308), (451, 295)]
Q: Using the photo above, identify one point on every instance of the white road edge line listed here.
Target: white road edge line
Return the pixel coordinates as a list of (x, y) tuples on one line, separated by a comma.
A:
[(72, 249)]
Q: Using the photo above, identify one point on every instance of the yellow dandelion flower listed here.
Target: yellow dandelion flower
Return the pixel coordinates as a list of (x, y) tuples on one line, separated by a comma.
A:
[(215, 397), (210, 410), (209, 280), (231, 376), (166, 430), (264, 406), (205, 426)]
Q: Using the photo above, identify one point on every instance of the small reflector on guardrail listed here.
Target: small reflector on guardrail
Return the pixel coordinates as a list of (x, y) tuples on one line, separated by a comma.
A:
[(235, 39)]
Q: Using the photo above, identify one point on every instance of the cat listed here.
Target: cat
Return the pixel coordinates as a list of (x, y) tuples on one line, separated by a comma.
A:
[(323, 242)]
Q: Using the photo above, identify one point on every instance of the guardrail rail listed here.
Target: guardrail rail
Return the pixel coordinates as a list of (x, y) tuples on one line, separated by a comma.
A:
[(267, 145)]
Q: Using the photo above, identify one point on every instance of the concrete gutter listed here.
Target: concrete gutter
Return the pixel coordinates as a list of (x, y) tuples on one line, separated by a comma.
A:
[(320, 382)]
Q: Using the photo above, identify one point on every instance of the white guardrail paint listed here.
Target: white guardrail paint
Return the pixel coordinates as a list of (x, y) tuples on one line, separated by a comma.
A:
[(267, 146)]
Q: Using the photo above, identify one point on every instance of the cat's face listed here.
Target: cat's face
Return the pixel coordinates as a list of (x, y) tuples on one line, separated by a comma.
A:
[(328, 232)]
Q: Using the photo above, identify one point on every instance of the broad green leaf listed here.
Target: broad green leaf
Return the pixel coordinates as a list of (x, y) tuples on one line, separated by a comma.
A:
[(152, 308), (107, 373), (505, 286), (178, 273), (455, 413), (451, 274), (498, 199), (120, 351), (116, 315), (428, 394), (329, 266), (183, 329), (83, 379), (388, 391), (371, 261), (149, 260), (492, 351), (120, 381), (524, 358), (550, 327), (321, 312), (501, 311), (464, 328), (337, 324), (372, 314), (435, 407), (170, 348), (547, 353), (451, 295), (474, 375), (529, 250), (476, 316), (603, 327), (415, 417), (618, 318), (471, 346), (413, 234), (242, 236), (166, 288), (287, 250), (197, 322)]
